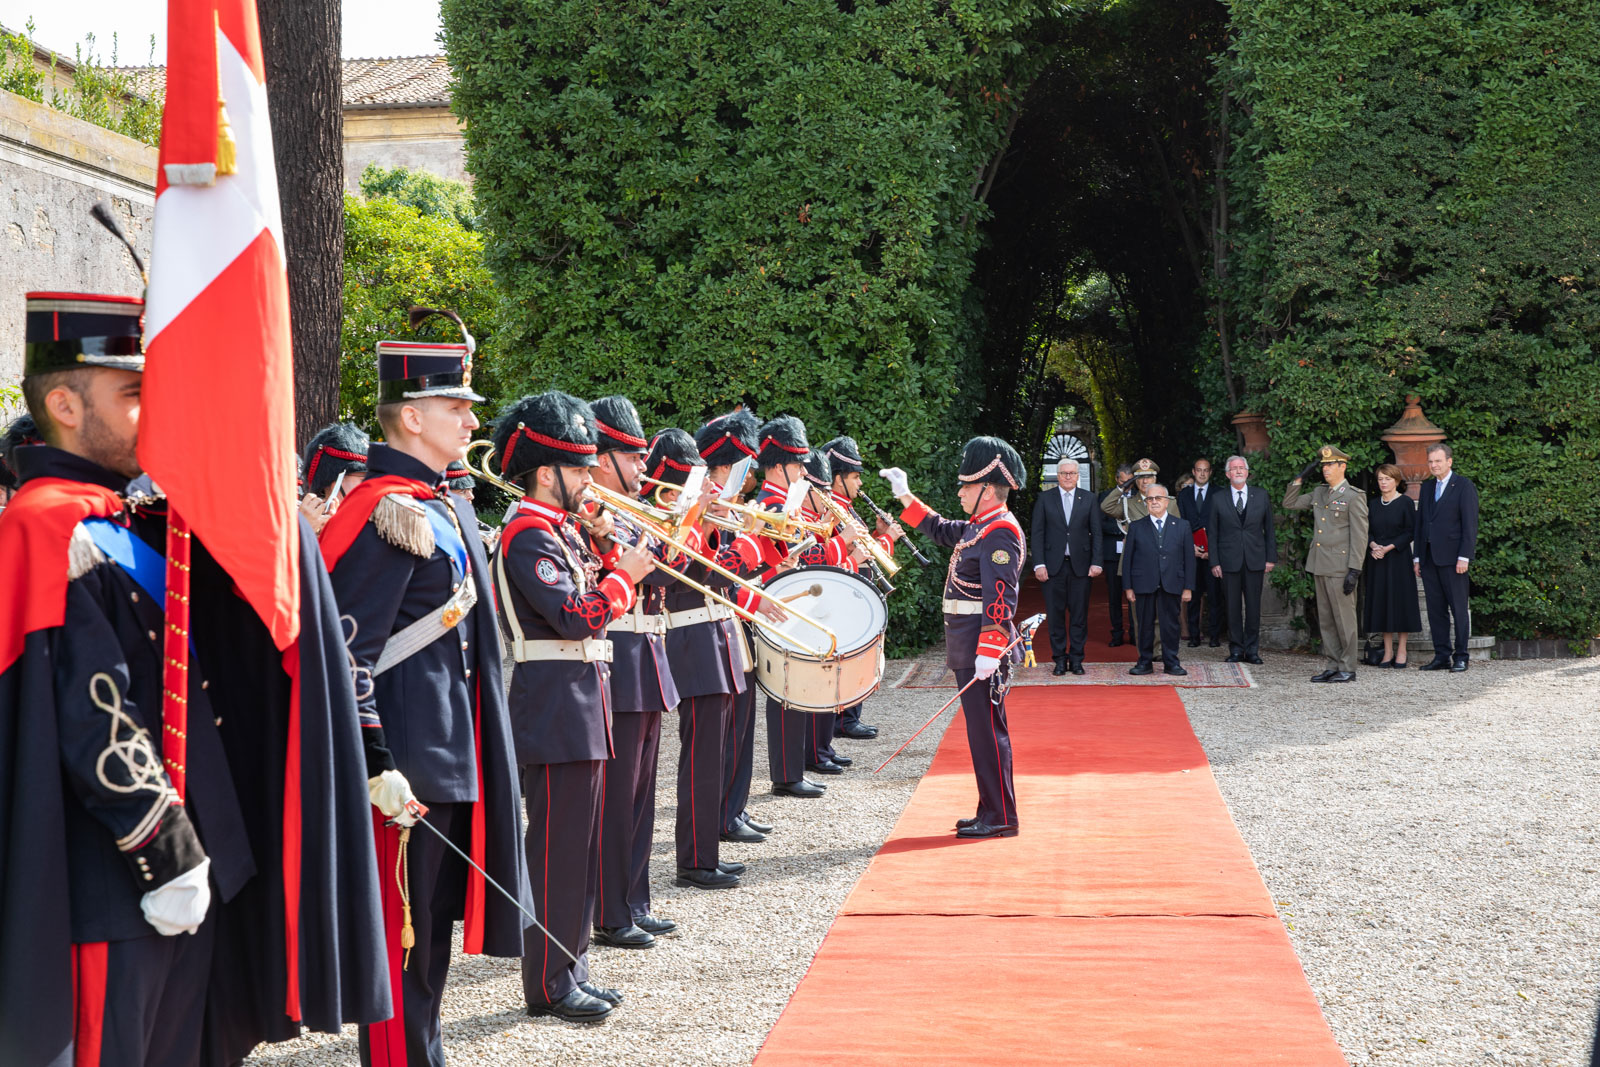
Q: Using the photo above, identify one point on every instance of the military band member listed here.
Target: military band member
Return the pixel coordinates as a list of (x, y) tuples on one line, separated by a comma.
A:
[(980, 603), (22, 431), (334, 463), (835, 552), (1335, 557), (556, 606), (642, 689), (412, 582), (844, 457)]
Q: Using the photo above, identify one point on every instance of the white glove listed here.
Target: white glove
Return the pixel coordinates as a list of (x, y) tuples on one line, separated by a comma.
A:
[(898, 484), (392, 795), (180, 906), (984, 666)]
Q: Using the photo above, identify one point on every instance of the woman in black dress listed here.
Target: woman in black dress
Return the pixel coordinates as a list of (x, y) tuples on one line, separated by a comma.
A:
[(1391, 607)]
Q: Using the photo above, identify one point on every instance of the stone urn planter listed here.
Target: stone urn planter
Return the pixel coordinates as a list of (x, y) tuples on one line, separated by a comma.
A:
[(1253, 428), (1409, 439)]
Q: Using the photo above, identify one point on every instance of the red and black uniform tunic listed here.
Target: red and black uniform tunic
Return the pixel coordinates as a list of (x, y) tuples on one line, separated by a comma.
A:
[(742, 555), (980, 605), (557, 606), (852, 714)]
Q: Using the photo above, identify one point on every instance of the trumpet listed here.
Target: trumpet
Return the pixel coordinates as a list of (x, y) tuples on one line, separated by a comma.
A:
[(869, 544), (658, 523), (778, 526)]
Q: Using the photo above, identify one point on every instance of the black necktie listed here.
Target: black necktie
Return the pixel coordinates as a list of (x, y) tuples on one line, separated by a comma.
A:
[(1159, 527), (1238, 502)]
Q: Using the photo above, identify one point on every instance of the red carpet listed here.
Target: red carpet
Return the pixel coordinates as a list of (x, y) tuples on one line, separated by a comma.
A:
[(1126, 924), (1030, 601)]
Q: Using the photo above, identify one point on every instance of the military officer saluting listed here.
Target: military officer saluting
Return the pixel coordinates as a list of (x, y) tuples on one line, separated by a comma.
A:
[(980, 604), (1338, 550)]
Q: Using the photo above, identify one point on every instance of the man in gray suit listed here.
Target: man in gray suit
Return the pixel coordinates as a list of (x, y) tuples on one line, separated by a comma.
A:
[(1066, 546), (1244, 549)]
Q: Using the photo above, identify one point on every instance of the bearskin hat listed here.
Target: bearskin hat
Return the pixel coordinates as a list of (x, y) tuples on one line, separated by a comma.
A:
[(781, 440), (458, 476), (22, 431), (672, 456), (335, 449), (727, 439), (552, 429), (844, 455), (818, 471), (618, 422), (989, 459)]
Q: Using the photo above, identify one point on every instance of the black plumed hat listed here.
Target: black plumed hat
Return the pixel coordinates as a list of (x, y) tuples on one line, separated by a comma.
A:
[(989, 459), (818, 471), (337, 448), (552, 429), (22, 431), (727, 439), (458, 477), (618, 422), (844, 455), (672, 456), (781, 440)]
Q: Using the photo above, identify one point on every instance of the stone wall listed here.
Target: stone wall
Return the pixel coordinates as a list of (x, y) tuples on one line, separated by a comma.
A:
[(422, 138), (53, 168)]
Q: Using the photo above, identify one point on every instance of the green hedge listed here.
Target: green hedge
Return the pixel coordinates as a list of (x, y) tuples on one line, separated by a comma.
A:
[(1413, 190)]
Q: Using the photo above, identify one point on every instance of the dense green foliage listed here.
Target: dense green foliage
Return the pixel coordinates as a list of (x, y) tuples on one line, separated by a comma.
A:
[(100, 93), (700, 202), (1415, 211), (426, 192)]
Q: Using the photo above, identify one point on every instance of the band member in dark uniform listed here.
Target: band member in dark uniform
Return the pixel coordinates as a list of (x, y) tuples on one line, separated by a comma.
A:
[(22, 431), (844, 457), (835, 552), (723, 442), (980, 603), (556, 607), (412, 581), (709, 664), (334, 462), (641, 690)]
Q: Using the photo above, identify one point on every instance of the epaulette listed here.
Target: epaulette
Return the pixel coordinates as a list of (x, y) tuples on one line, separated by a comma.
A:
[(523, 522), (402, 521), (83, 555)]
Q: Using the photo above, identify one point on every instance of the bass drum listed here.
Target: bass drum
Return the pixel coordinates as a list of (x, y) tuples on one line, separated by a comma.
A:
[(792, 673)]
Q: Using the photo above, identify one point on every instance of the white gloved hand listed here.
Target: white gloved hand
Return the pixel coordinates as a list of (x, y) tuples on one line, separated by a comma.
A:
[(180, 906), (392, 795), (898, 483), (985, 666)]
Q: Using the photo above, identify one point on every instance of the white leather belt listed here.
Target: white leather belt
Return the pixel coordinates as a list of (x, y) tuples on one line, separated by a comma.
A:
[(589, 650), (963, 607), (691, 616), (406, 643), (639, 623)]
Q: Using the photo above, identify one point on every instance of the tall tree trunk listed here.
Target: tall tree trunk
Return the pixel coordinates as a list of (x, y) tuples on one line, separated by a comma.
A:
[(1219, 251), (300, 42)]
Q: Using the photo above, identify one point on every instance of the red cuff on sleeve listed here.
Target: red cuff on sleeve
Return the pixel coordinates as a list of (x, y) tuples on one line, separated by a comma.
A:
[(618, 592), (887, 542), (609, 560), (992, 643), (747, 599), (837, 551), (914, 513)]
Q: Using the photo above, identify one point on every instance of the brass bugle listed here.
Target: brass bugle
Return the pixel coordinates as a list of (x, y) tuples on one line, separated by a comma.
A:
[(780, 527), (640, 513), (869, 544), (483, 471)]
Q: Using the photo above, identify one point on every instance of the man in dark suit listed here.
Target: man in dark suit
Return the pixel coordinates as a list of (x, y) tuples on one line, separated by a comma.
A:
[(1447, 538), (1066, 546), (1111, 537), (1244, 549), (1158, 573), (1194, 504)]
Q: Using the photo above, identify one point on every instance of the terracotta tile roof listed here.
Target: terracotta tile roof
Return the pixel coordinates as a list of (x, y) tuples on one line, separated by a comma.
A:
[(397, 81)]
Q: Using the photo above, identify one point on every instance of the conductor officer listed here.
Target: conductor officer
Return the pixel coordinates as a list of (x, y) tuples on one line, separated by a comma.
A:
[(1338, 549)]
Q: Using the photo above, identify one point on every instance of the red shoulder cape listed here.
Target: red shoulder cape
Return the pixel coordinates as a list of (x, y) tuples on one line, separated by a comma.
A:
[(356, 509)]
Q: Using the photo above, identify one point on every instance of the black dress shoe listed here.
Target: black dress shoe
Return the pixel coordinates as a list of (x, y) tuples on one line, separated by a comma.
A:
[(858, 731), (576, 1007), (1115, 642), (1059, 669), (1397, 664), (1438, 663), (743, 834), (624, 937), (983, 829), (1194, 642), (843, 761), (610, 996), (1216, 642), (802, 788), (1458, 666), (1077, 668), (654, 926), (1174, 669), (730, 866), (1257, 660), (705, 878), (1342, 676), (1233, 657), (962, 824), (827, 766), (1141, 668), (758, 827), (1324, 676)]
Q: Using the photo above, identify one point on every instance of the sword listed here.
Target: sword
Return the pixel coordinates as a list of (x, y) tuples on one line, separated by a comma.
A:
[(531, 917), (1024, 633)]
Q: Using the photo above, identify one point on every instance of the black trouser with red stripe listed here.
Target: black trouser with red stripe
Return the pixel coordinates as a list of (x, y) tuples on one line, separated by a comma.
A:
[(990, 744), (703, 724), (787, 738), (437, 886), (141, 1002), (628, 819), (563, 837), (819, 737), (738, 755), (849, 715)]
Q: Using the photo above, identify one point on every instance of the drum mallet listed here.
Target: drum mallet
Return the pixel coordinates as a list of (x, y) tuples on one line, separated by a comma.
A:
[(811, 590)]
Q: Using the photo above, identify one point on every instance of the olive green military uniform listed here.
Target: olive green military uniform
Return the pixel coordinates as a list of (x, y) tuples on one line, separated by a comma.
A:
[(1338, 546)]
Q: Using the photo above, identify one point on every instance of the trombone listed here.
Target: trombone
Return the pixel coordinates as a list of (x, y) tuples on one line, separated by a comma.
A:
[(659, 524), (779, 527)]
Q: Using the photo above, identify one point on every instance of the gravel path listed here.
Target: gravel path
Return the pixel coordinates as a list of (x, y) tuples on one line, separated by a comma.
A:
[(1430, 842), (709, 994)]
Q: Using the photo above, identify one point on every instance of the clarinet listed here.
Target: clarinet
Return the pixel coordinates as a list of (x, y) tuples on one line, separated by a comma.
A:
[(884, 515)]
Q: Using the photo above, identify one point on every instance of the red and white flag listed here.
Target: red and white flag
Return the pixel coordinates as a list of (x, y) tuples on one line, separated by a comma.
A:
[(217, 430)]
